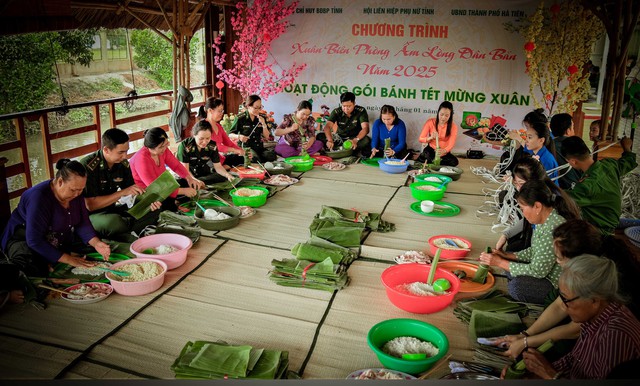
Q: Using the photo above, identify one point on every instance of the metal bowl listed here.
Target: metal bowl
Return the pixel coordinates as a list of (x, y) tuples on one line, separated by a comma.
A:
[(279, 167), (219, 225)]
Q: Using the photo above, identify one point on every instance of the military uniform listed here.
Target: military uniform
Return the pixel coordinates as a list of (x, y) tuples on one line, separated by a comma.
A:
[(200, 160), (598, 192), (244, 125), (349, 127), (112, 221)]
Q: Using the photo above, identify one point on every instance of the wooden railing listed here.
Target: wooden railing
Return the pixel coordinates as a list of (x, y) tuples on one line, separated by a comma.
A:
[(51, 158)]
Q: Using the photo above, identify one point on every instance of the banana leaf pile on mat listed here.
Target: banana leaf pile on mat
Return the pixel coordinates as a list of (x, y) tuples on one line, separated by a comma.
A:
[(372, 221), (493, 301), (219, 360), (348, 160), (324, 275), (341, 232), (492, 356), (317, 249), (491, 315), (170, 222)]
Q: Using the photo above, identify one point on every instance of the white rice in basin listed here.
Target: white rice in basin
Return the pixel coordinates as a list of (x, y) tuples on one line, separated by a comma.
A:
[(139, 271), (409, 345)]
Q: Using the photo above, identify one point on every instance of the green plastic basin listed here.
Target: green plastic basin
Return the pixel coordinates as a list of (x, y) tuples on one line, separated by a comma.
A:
[(300, 164), (433, 195), (254, 201), (387, 330)]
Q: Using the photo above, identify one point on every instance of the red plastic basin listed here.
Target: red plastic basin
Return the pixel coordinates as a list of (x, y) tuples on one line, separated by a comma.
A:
[(399, 274), (451, 254)]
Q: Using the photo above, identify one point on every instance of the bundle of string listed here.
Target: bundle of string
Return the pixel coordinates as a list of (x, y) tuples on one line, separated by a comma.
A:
[(630, 189), (508, 212)]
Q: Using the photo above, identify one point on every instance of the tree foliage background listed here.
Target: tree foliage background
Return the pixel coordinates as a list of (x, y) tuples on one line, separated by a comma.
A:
[(155, 54), (27, 71)]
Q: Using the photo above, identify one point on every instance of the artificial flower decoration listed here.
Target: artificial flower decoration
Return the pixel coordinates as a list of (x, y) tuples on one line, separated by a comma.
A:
[(255, 70), (558, 40)]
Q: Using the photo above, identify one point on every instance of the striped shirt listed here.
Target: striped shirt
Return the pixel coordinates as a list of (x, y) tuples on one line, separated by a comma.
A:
[(612, 338)]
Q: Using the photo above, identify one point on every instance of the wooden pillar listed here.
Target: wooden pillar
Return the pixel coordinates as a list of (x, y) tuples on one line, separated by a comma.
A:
[(232, 98), (5, 208), (578, 120), (211, 30)]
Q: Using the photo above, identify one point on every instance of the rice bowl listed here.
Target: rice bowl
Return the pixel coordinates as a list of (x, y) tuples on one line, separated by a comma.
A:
[(147, 275)]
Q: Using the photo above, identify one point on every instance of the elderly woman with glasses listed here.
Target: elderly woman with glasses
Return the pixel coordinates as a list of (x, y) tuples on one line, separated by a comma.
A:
[(609, 332)]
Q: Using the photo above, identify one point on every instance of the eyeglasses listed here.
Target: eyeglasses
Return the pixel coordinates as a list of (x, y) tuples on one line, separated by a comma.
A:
[(567, 301), (256, 107)]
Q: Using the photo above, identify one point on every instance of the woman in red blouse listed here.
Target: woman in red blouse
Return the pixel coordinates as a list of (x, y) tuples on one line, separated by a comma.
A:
[(153, 159), (230, 153)]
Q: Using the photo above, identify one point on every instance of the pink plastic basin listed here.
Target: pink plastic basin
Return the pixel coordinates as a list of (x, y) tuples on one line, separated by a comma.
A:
[(409, 273), (173, 259), (136, 288), (450, 254)]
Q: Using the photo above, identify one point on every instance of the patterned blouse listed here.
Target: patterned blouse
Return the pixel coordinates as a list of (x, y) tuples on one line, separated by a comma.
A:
[(539, 260), (293, 138)]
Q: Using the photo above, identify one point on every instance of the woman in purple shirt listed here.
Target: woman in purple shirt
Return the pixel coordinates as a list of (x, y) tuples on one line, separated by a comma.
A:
[(49, 218)]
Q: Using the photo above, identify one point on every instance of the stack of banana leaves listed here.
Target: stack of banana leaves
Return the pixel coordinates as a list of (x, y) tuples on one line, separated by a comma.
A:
[(317, 250), (342, 232), (493, 301), (323, 275), (491, 315), (373, 221), (218, 360)]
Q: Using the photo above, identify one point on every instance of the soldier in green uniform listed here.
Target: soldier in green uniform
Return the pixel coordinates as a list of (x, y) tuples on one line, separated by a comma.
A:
[(249, 128), (109, 179), (598, 192), (199, 154), (348, 122)]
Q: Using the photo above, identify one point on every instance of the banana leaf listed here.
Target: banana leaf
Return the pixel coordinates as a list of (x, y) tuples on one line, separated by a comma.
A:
[(224, 185), (372, 221), (491, 356), (231, 360), (267, 366), (218, 360), (158, 190), (309, 251), (299, 273), (486, 324), (304, 251), (349, 254), (494, 301), (346, 235)]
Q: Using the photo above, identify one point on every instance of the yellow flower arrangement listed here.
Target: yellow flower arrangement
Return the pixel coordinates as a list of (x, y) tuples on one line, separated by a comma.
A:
[(558, 44)]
